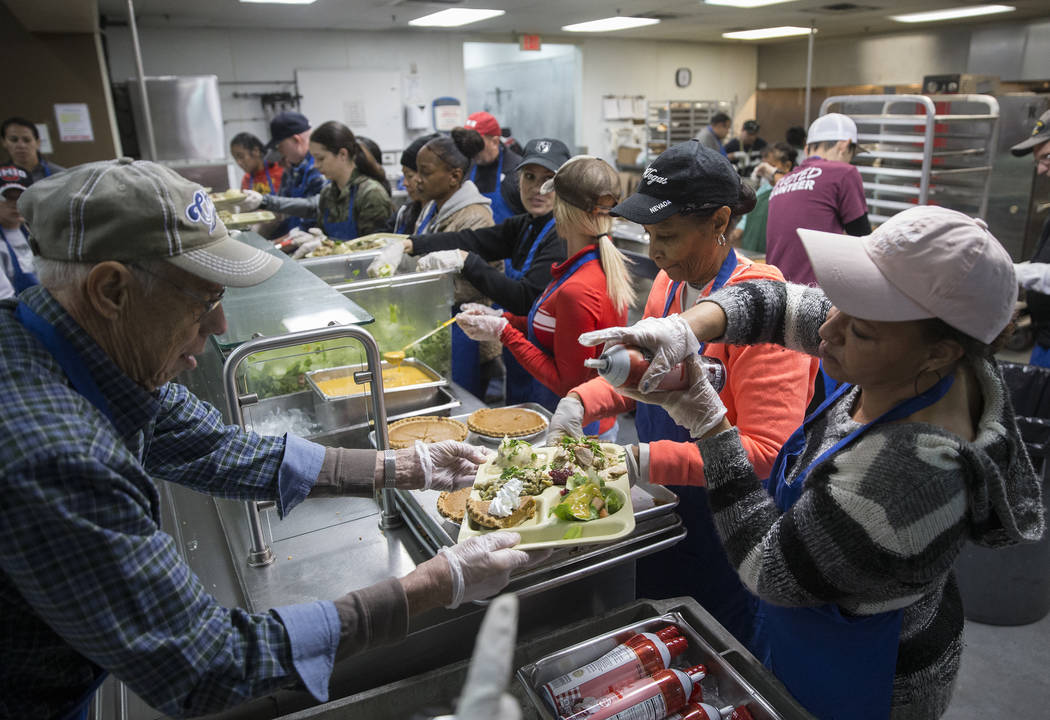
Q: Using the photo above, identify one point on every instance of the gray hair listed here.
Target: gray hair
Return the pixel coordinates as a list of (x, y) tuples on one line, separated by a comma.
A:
[(62, 274)]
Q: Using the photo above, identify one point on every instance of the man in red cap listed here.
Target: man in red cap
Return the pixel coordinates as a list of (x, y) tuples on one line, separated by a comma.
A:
[(493, 170)]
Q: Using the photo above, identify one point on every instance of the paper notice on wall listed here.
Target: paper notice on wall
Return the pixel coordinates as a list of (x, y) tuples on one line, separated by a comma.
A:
[(74, 122), (354, 112), (626, 108), (610, 108), (638, 104), (45, 138)]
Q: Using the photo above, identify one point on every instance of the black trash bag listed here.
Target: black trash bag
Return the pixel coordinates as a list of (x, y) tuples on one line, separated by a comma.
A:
[(1029, 389)]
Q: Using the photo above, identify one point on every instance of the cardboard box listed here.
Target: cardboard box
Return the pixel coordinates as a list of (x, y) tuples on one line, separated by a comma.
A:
[(627, 155)]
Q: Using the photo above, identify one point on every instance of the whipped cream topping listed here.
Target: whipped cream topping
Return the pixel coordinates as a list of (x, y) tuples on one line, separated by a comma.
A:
[(507, 497)]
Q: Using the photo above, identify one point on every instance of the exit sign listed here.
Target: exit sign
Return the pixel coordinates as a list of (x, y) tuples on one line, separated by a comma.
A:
[(530, 42)]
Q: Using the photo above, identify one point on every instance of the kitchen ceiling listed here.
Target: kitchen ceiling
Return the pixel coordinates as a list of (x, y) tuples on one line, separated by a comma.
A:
[(681, 19)]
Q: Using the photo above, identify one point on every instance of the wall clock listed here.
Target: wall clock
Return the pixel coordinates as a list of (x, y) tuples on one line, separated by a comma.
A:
[(682, 77)]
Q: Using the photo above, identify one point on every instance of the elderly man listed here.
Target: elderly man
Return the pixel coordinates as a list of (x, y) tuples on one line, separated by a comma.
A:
[(132, 266), (713, 135), (290, 134), (493, 170)]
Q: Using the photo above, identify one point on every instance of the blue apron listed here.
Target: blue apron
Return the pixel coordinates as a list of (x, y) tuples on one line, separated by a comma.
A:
[(697, 566), (540, 393), (500, 210), (345, 230), (518, 380), (836, 666), (45, 166), (298, 190), (79, 376), (19, 279)]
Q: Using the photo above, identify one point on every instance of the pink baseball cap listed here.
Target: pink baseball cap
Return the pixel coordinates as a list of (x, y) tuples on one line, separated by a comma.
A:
[(484, 123), (924, 262)]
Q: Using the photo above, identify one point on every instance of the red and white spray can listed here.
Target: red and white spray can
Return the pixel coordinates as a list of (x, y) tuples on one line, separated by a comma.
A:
[(702, 711), (624, 365), (637, 657), (651, 698)]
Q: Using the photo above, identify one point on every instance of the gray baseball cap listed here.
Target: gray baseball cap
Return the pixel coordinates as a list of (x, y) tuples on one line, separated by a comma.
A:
[(1039, 135), (132, 210)]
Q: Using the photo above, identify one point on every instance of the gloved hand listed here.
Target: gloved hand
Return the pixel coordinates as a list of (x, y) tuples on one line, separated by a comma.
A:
[(1033, 276), (481, 565), (567, 420), (479, 309), (307, 246), (763, 170), (481, 327), (442, 260), (698, 408), (449, 465), (669, 339), (484, 695), (386, 262), (252, 200)]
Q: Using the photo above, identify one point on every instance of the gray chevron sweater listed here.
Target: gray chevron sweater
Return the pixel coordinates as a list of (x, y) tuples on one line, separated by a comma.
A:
[(881, 522)]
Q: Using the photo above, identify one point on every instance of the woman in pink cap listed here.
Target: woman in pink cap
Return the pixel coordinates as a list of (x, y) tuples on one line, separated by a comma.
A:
[(849, 544)]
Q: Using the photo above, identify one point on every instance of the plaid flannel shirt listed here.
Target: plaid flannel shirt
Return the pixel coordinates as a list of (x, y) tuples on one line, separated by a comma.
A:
[(89, 581)]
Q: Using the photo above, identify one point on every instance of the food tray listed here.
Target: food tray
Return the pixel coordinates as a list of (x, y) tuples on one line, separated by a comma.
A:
[(724, 685), (227, 199), (422, 391), (544, 530), (243, 220)]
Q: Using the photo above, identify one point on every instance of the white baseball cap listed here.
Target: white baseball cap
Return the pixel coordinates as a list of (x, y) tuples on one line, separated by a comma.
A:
[(832, 128), (925, 262)]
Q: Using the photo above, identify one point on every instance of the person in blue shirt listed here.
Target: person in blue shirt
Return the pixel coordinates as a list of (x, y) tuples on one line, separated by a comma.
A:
[(89, 583), (290, 134), (21, 139), (713, 135)]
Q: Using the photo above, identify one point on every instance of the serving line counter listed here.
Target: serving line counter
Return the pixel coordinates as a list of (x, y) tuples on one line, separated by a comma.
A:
[(262, 373)]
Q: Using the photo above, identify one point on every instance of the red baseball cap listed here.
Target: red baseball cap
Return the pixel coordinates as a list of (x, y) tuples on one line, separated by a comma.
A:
[(484, 123)]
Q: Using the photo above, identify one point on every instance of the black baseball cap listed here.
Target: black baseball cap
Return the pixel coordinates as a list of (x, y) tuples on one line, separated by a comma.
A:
[(548, 152), (751, 126), (1039, 135), (284, 125), (13, 177), (408, 155), (685, 178)]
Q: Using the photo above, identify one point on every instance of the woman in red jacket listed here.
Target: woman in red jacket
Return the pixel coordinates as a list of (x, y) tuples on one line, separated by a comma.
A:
[(590, 290), (686, 201)]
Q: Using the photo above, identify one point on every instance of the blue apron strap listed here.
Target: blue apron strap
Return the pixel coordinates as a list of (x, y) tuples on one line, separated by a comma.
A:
[(269, 180), (499, 170), (508, 268), (21, 279), (580, 262), (45, 166), (421, 227)]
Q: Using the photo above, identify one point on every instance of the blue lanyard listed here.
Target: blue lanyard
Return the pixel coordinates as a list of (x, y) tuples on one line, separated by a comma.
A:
[(422, 227), (508, 268), (724, 273), (583, 260), (499, 169)]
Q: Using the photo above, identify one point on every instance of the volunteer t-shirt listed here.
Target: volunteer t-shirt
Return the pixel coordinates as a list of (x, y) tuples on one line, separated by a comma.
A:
[(817, 195)]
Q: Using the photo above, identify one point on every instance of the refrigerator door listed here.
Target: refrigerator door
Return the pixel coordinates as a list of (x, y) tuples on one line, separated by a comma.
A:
[(187, 118)]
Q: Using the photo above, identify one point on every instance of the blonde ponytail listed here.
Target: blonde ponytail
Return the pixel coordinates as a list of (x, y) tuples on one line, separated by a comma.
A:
[(617, 278)]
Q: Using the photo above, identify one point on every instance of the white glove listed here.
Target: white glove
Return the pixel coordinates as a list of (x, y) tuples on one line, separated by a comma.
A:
[(449, 465), (669, 339), (442, 260), (252, 200), (481, 565), (764, 170), (697, 409), (482, 327), (1033, 276), (479, 309), (307, 246), (484, 695), (567, 420), (386, 262)]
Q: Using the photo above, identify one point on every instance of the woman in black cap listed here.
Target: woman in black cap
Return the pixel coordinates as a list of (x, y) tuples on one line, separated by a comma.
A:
[(686, 200)]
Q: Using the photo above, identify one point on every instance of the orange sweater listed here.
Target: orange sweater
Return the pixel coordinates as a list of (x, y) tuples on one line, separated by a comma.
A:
[(766, 393)]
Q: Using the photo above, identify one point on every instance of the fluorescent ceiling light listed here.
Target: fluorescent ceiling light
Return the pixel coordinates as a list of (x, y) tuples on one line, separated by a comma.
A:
[(610, 24), (746, 3), (454, 17), (764, 33), (952, 13), (282, 2)]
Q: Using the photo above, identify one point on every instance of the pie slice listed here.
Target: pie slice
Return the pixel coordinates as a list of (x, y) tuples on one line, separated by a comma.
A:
[(425, 428), (453, 504), (506, 422), (478, 511)]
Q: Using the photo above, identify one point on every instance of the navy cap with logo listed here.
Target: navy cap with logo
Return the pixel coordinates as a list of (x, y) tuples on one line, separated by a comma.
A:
[(751, 126), (685, 178), (1039, 135), (284, 125), (548, 152), (13, 177)]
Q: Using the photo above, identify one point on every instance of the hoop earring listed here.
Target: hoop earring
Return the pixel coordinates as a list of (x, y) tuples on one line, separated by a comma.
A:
[(722, 240), (921, 372)]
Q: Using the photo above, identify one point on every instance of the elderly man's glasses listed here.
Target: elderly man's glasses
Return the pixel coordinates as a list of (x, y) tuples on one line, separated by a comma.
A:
[(208, 303), (1043, 159)]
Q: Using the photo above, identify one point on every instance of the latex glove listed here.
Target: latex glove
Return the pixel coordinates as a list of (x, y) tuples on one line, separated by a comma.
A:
[(252, 200), (1033, 276), (442, 260), (386, 262), (307, 246), (479, 309), (484, 695), (669, 339), (449, 465), (764, 170), (481, 327), (481, 565), (698, 408), (567, 420)]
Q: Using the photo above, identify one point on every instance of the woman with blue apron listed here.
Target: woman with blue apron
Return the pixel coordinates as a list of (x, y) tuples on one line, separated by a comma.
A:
[(500, 209)]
